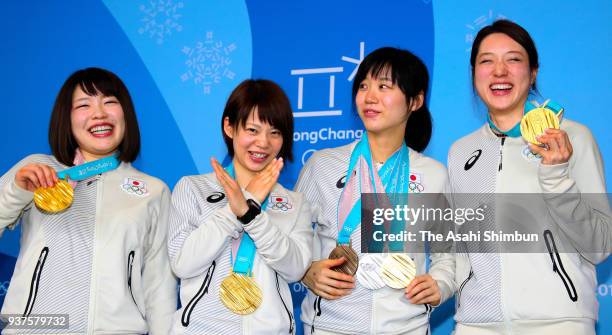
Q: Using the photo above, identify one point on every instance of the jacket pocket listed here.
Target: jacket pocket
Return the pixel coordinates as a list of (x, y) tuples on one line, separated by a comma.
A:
[(130, 267), (35, 281), (317, 312), (285, 305), (558, 266), (201, 292), (462, 286)]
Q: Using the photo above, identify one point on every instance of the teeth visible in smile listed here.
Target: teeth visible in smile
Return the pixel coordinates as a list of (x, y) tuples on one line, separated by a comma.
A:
[(258, 155), (501, 86), (100, 129)]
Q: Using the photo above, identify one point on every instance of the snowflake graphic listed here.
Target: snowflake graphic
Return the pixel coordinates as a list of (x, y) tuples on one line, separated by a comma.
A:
[(160, 19), (478, 23), (208, 62)]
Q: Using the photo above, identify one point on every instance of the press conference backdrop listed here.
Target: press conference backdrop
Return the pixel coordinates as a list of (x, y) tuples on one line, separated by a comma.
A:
[(181, 58)]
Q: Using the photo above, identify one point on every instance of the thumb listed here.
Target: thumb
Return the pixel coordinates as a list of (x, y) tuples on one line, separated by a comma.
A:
[(536, 149), (330, 263)]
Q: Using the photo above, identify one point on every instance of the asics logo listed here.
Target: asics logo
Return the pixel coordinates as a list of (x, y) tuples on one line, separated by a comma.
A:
[(472, 160)]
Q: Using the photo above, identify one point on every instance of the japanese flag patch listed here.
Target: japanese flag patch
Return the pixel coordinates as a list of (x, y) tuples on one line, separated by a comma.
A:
[(415, 183), (279, 202), (135, 187)]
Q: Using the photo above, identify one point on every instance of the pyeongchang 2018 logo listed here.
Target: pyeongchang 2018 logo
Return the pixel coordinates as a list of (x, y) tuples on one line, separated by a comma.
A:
[(327, 134), (330, 109)]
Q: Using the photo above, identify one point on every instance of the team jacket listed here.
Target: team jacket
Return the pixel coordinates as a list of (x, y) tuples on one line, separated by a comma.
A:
[(102, 261), (364, 311), (519, 288), (202, 227)]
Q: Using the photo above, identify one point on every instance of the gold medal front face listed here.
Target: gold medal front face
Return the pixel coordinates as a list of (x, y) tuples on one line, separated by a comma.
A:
[(535, 121), (398, 270), (240, 294), (54, 199), (351, 262)]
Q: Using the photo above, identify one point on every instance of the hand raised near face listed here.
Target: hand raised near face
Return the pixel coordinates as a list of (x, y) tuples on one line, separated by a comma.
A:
[(261, 185), (235, 198), (558, 148)]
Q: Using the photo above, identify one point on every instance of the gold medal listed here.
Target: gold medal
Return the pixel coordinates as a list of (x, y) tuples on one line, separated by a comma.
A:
[(54, 199), (535, 121), (351, 262), (240, 294), (398, 270)]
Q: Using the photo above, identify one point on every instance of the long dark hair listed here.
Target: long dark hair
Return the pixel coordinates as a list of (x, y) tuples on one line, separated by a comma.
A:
[(410, 74)]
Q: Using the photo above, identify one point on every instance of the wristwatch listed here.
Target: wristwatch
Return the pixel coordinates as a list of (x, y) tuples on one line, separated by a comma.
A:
[(254, 210)]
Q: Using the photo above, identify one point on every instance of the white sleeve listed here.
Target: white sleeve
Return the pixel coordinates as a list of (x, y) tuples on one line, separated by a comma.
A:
[(289, 254), (158, 281), (13, 199), (196, 239), (577, 201)]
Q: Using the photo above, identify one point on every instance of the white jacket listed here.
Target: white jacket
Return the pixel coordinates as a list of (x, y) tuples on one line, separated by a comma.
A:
[(102, 261), (512, 289), (202, 228), (364, 311)]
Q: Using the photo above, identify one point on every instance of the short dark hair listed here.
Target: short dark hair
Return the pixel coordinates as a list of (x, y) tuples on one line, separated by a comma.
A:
[(409, 73), (92, 81), (273, 107), (515, 32)]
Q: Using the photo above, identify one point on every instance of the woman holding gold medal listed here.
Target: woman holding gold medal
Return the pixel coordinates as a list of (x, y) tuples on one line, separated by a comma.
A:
[(354, 293), (553, 291), (93, 227), (237, 237)]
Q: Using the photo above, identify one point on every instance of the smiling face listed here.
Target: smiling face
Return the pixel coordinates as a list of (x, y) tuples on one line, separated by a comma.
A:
[(382, 105), (98, 124), (255, 145), (502, 74)]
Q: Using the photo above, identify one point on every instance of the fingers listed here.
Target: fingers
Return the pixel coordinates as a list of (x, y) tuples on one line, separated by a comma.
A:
[(327, 283), (222, 176), (423, 290), (33, 176), (50, 175), (417, 280), (328, 291), (328, 264), (261, 185), (559, 148)]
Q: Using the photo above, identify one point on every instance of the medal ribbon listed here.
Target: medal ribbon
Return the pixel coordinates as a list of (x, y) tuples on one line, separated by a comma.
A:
[(243, 247), (93, 168), (392, 178), (529, 105)]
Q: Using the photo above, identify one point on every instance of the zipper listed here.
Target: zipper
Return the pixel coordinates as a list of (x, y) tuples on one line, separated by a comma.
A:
[(317, 310), (130, 264), (201, 292), (97, 252), (501, 153), (463, 285), (284, 305), (35, 281), (558, 266)]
